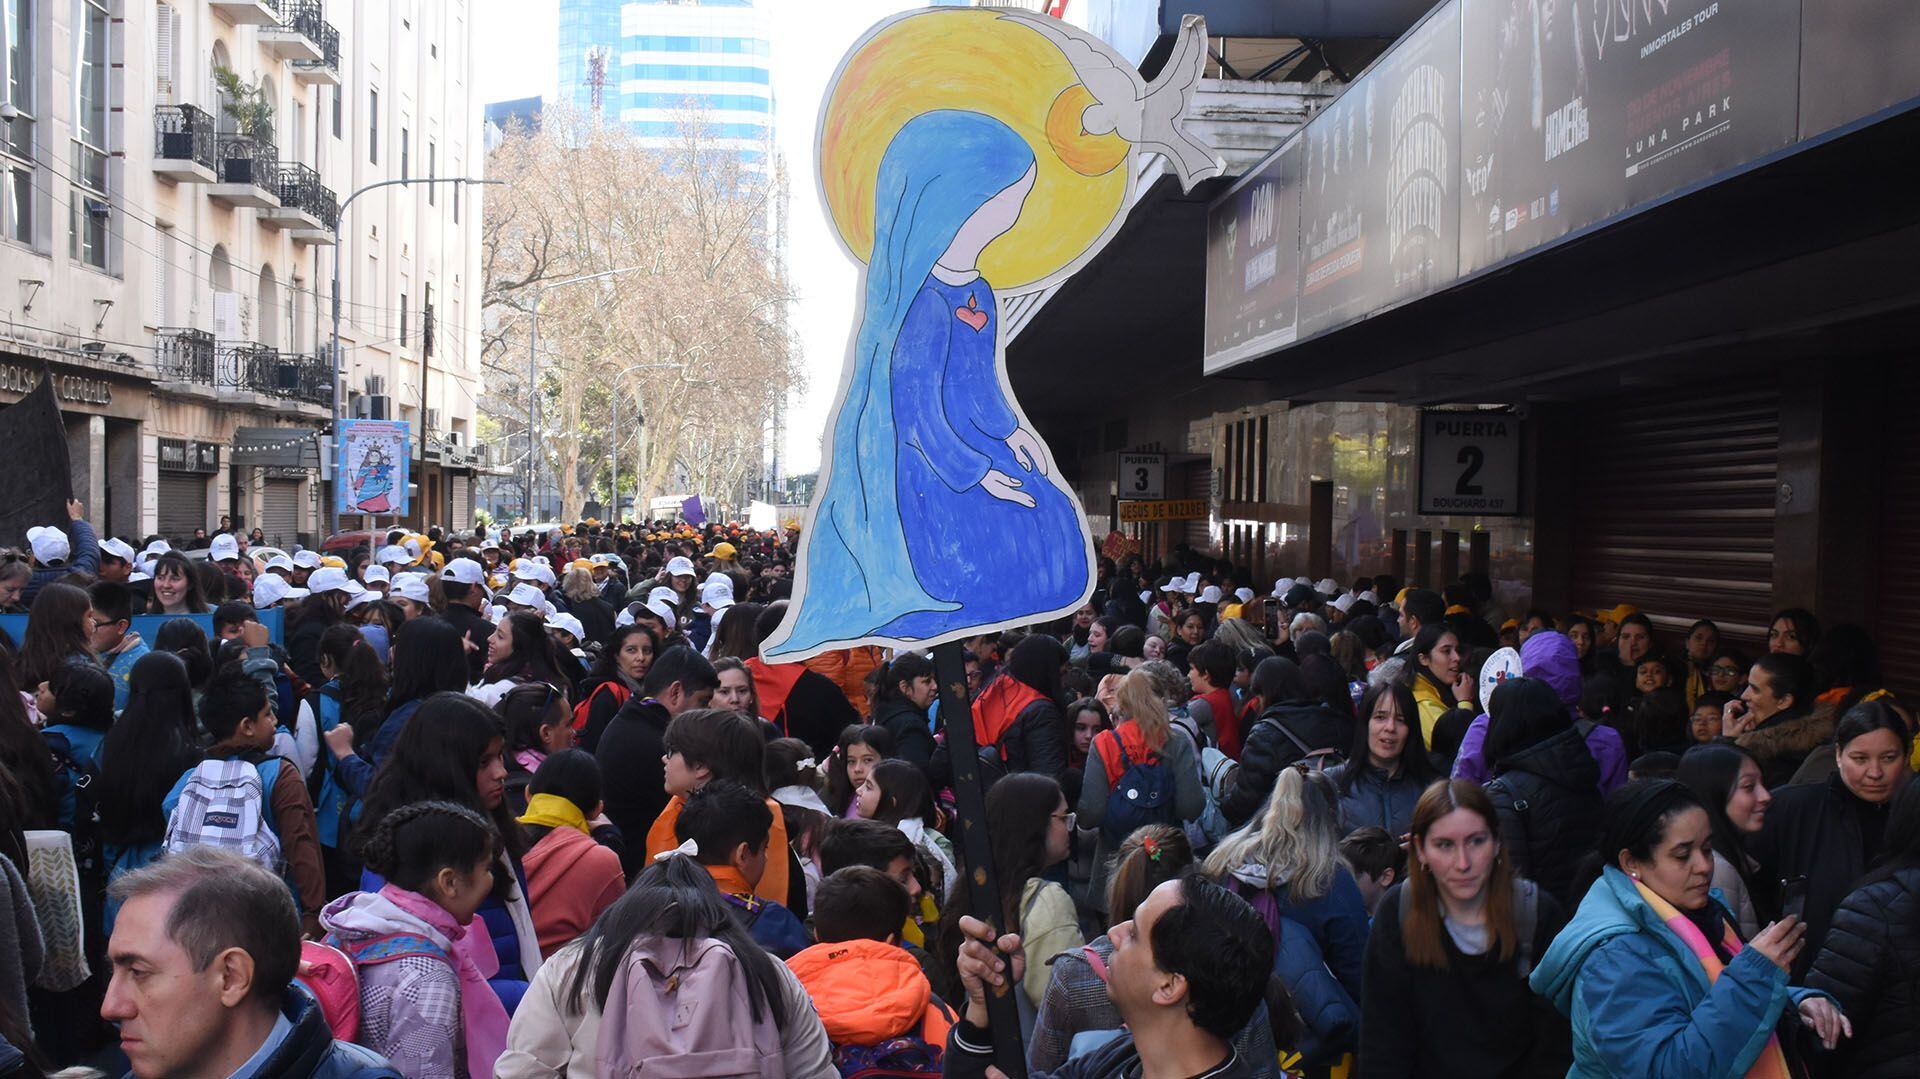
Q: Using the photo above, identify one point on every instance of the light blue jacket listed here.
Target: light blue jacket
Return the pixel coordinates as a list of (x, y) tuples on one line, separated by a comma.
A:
[(1640, 1002)]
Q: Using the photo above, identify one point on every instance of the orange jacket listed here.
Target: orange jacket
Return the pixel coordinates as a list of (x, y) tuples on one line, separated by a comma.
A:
[(848, 668), (773, 884), (867, 991), (570, 880)]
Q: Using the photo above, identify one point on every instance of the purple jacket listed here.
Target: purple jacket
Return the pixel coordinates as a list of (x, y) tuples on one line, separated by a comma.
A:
[(1550, 657)]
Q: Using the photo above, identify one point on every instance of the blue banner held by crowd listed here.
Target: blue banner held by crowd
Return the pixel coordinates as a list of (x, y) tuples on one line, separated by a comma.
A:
[(148, 625)]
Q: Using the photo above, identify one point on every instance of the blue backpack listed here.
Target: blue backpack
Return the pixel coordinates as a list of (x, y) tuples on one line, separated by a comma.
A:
[(1139, 793)]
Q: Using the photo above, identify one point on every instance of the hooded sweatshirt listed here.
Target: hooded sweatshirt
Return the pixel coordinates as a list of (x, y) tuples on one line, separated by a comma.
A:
[(570, 880), (1552, 658), (869, 991), (431, 1017)]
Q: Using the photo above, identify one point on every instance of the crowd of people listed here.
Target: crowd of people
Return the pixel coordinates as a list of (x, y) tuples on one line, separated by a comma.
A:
[(482, 803)]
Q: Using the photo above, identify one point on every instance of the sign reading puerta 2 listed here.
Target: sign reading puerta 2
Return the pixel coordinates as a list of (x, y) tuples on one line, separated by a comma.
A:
[(1497, 126)]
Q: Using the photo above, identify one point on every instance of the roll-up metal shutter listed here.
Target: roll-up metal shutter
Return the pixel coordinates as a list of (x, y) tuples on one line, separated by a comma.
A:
[(462, 502), (1897, 627), (183, 505), (1673, 509), (1196, 482), (280, 511)]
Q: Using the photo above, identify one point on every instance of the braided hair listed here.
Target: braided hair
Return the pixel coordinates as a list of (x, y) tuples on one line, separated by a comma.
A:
[(412, 844)]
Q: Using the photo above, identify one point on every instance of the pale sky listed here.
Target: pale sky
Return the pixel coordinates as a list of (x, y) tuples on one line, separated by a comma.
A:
[(516, 43)]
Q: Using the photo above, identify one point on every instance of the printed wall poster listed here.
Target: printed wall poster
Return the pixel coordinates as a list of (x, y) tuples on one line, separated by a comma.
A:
[(373, 467)]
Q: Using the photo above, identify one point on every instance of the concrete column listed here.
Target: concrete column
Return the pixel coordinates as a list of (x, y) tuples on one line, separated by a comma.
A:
[(1449, 557), (125, 482), (1320, 529), (1399, 565), (86, 460), (1422, 558)]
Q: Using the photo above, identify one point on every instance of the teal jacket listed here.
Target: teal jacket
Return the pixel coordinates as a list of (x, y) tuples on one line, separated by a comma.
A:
[(1639, 1001)]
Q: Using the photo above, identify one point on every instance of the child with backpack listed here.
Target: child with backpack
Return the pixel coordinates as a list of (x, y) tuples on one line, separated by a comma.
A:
[(424, 1005), (355, 695), (78, 709), (878, 1008), (895, 792), (244, 799), (1143, 771), (709, 744), (666, 977), (724, 826)]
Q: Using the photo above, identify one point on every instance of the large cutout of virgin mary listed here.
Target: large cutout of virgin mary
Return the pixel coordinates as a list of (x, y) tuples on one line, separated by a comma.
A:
[(966, 156)]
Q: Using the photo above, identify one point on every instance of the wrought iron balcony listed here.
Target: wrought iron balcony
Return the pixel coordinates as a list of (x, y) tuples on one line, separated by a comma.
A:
[(307, 206), (185, 147), (249, 171), (306, 38), (247, 12), (185, 355)]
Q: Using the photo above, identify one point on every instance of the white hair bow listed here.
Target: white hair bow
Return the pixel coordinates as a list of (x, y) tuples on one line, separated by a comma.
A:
[(806, 764), (690, 848)]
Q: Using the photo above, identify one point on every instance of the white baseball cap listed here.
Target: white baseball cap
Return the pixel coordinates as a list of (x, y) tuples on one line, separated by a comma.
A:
[(1326, 587), (49, 544), (663, 611), (117, 548), (306, 559), (1244, 595), (394, 555), (224, 548), (366, 596), (624, 618), (464, 571), (1344, 603), (1369, 596), (717, 592), (281, 562), (330, 579), (680, 566), (525, 595), (495, 614), (1304, 581), (410, 586), (269, 589), (156, 548), (1178, 584), (412, 547), (376, 573), (567, 622), (1210, 594)]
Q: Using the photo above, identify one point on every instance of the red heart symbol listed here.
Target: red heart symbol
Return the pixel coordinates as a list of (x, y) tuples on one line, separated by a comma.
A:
[(971, 315)]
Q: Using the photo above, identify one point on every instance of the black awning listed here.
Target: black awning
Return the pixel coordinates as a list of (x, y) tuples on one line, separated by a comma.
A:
[(280, 447)]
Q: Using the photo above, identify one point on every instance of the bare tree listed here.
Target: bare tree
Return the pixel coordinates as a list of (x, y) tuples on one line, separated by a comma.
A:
[(699, 310)]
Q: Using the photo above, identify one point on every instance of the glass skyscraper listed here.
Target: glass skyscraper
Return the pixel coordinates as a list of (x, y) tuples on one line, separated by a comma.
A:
[(659, 62)]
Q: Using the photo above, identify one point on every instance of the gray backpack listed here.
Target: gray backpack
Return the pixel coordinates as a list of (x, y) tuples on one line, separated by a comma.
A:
[(680, 1007)]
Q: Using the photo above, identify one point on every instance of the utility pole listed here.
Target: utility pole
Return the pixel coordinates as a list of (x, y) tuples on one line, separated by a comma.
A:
[(426, 365), (339, 358)]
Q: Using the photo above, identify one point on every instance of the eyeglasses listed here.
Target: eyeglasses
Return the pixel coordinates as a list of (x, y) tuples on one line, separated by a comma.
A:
[(1066, 818), (1725, 672)]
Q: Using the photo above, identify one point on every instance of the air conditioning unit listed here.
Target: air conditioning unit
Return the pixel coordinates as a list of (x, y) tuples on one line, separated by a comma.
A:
[(379, 406), (456, 438)]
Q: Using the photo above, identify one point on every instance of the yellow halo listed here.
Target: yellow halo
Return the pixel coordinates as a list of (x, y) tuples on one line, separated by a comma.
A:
[(987, 62)]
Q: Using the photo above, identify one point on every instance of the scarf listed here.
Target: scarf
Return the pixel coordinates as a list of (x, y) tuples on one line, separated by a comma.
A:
[(553, 811), (1772, 1063), (482, 1018)]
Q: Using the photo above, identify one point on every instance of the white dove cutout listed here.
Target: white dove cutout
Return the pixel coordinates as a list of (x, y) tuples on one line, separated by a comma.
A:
[(1145, 114)]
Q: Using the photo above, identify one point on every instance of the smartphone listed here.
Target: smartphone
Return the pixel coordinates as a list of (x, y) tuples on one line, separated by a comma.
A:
[(1793, 896)]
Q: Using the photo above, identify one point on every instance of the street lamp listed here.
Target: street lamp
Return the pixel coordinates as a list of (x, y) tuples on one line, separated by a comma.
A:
[(339, 361), (533, 350), (640, 417)]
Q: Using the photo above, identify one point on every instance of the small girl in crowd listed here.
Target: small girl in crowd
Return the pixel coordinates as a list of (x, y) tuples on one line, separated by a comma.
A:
[(424, 1005), (861, 747), (1089, 717), (793, 778), (538, 724), (896, 793), (77, 706)]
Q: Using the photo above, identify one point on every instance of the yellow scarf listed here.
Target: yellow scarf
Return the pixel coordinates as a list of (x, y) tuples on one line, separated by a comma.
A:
[(553, 811)]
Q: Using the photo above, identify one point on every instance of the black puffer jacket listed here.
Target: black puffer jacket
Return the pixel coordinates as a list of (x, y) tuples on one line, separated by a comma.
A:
[(1548, 799), (912, 737), (1266, 749), (1871, 965)]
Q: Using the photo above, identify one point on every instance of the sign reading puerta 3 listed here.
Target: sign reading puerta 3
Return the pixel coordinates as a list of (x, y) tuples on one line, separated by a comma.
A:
[(966, 156), (1490, 129)]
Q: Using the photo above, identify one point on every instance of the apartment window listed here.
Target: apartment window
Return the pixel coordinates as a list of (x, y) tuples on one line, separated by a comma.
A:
[(16, 136), (373, 127), (405, 152), (403, 320), (90, 207), (337, 110), (433, 162), (456, 202)]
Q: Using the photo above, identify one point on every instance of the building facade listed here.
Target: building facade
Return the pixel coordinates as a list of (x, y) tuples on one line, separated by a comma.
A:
[(175, 174), (651, 64)]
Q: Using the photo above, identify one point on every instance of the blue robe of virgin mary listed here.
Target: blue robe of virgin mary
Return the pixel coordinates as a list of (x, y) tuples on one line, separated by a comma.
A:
[(905, 543)]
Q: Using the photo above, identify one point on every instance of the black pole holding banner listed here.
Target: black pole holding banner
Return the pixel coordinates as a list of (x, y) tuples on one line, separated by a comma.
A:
[(983, 894)]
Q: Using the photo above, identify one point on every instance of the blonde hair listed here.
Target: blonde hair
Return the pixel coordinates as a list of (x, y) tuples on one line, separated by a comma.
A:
[(1296, 838), (1140, 701), (578, 585)]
